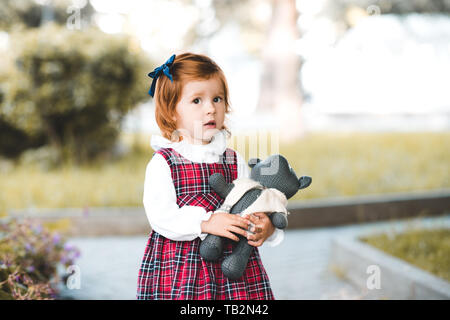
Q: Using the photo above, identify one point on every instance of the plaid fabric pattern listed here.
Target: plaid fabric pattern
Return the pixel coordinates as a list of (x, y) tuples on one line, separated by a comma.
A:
[(174, 269)]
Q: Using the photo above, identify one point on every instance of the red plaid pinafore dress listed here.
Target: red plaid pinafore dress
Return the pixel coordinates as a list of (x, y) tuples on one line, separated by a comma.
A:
[(174, 269)]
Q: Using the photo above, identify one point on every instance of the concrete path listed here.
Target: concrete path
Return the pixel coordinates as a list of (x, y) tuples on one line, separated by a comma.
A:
[(298, 268)]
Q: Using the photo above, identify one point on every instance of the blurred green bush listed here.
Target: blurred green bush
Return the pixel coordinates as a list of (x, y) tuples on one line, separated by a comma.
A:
[(29, 259), (68, 90)]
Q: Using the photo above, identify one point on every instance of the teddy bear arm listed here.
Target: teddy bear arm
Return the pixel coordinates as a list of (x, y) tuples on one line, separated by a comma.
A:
[(247, 199), (279, 220), (219, 185)]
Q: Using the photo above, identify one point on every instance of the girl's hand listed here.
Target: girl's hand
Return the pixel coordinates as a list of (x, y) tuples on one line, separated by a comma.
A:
[(263, 228), (226, 225)]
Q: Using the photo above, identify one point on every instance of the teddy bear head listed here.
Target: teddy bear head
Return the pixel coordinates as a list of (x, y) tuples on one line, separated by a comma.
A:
[(275, 172)]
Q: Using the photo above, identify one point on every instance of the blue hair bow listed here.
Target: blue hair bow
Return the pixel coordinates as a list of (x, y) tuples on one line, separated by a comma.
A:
[(157, 72)]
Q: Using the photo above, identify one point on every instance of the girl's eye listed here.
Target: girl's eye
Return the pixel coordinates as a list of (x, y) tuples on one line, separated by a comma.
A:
[(217, 99), (196, 101)]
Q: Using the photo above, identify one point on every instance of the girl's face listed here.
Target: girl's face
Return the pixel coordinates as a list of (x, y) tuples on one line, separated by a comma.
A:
[(201, 102)]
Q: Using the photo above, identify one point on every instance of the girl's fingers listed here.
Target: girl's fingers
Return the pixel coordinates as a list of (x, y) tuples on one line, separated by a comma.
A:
[(257, 217), (241, 222), (253, 237), (260, 215), (255, 228), (239, 218), (252, 218), (255, 243), (231, 236), (238, 230)]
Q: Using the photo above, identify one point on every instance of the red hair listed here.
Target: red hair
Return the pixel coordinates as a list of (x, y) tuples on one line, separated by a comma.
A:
[(186, 67)]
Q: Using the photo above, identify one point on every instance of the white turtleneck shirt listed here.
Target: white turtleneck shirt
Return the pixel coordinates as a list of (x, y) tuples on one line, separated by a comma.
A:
[(160, 200)]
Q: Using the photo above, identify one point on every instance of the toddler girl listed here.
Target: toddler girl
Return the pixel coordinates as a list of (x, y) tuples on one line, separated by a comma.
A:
[(191, 101)]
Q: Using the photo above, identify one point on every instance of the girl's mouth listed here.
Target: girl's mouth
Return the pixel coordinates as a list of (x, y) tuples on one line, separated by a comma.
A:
[(210, 125)]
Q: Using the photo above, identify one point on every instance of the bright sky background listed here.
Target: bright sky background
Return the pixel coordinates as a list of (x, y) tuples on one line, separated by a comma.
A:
[(384, 65), (372, 62)]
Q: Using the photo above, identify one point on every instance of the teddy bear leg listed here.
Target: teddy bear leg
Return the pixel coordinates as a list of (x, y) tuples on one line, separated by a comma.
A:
[(233, 266), (211, 248), (279, 220)]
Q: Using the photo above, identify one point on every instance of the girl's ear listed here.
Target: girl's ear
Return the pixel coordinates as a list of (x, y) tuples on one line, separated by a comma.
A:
[(174, 114)]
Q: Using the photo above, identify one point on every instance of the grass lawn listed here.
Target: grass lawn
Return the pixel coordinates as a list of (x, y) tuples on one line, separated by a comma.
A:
[(340, 165), (426, 249)]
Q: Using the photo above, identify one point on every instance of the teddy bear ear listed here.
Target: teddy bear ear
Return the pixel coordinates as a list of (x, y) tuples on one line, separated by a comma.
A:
[(304, 181), (253, 161)]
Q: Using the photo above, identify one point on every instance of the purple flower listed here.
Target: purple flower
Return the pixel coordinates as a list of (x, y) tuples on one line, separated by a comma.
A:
[(68, 247), (75, 254), (30, 268), (56, 238), (28, 247)]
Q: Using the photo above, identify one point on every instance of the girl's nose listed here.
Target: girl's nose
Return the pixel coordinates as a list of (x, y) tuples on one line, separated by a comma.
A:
[(210, 108)]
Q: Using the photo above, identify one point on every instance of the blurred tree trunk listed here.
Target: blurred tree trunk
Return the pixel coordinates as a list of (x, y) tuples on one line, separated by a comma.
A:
[(280, 84)]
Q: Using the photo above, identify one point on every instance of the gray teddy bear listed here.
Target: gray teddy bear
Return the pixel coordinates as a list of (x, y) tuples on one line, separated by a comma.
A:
[(272, 179)]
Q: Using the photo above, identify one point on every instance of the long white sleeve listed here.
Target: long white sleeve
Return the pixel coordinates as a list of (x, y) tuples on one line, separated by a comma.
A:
[(243, 172), (160, 203)]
